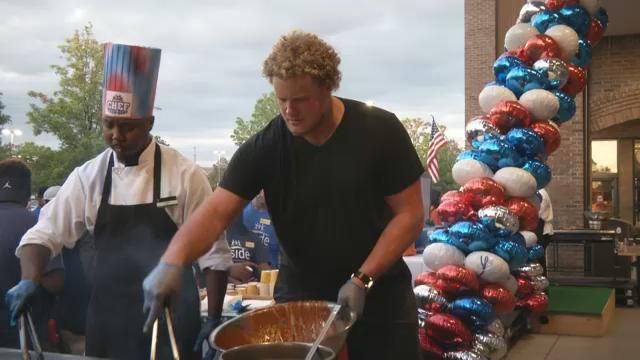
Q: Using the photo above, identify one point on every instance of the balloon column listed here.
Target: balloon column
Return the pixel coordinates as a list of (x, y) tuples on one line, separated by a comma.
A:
[(484, 262)]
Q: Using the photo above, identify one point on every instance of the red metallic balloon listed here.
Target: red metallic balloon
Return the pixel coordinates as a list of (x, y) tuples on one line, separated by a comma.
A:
[(485, 192), (525, 211), (577, 80), (541, 46), (426, 278), (559, 4), (509, 114), (460, 275), (449, 331), (549, 133), (502, 299), (458, 196), (525, 287), (453, 211), (596, 32), (428, 345), (536, 303)]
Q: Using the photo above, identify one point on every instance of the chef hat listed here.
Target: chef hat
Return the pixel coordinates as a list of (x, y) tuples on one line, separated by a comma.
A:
[(130, 79)]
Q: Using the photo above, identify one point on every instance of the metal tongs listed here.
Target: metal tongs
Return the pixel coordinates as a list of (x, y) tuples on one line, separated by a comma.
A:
[(172, 336), (312, 354), (25, 324)]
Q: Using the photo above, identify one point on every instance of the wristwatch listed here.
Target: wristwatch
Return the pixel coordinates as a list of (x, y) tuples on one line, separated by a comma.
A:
[(366, 279)]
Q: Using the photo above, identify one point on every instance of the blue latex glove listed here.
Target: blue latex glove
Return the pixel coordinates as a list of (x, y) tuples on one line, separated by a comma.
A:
[(206, 329), (18, 296), (353, 297), (162, 283)]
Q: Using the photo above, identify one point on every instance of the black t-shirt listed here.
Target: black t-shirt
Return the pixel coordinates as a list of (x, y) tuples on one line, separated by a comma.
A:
[(327, 202)]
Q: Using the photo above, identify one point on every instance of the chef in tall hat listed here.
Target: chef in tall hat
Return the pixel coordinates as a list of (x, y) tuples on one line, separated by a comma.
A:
[(133, 197)]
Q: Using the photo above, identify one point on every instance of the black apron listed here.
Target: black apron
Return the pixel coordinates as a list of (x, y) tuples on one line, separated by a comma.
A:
[(129, 242), (388, 328)]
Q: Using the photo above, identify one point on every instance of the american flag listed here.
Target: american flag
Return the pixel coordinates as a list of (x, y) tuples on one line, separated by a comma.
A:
[(437, 141)]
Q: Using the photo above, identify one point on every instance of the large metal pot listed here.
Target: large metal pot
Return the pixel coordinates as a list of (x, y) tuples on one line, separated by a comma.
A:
[(289, 322), (277, 351)]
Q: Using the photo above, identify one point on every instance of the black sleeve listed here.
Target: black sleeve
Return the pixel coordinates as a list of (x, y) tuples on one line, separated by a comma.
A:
[(243, 176), (399, 164)]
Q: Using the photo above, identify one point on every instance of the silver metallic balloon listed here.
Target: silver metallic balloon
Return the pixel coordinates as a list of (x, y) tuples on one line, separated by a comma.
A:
[(529, 9), (492, 345), (423, 315), (540, 283), (463, 355), (502, 217), (532, 270), (480, 129), (426, 295), (496, 327), (555, 70)]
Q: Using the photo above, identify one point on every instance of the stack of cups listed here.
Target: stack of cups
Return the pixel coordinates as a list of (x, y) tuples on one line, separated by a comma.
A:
[(267, 282)]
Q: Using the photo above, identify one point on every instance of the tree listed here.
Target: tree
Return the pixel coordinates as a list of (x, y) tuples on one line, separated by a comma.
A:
[(4, 118), (266, 108), (420, 134), (218, 171), (73, 113)]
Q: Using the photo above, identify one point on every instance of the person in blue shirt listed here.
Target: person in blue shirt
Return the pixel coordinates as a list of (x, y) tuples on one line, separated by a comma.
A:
[(256, 219)]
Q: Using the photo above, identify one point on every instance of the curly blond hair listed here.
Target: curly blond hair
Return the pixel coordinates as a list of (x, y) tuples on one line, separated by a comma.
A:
[(300, 53)]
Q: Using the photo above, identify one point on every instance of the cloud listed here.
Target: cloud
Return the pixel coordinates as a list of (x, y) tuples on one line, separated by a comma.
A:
[(406, 56)]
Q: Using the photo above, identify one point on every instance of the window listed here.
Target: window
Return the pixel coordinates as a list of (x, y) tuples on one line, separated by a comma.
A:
[(604, 176)]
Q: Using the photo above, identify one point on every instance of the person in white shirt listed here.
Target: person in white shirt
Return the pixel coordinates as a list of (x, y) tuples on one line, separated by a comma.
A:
[(545, 224), (132, 198)]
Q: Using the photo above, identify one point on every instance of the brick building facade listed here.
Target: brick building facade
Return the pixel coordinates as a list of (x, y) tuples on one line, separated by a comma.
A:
[(612, 110)]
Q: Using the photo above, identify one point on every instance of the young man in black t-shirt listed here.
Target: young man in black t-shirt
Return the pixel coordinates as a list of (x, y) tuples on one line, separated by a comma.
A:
[(341, 182)]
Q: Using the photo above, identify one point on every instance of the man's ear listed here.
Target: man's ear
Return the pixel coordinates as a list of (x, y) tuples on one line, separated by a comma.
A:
[(150, 122)]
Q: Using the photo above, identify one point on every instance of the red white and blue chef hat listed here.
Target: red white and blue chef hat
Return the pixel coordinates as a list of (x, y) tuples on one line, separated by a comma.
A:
[(130, 79)]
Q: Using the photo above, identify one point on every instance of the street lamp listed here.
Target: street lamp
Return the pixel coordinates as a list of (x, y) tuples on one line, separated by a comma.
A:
[(11, 133), (219, 154)]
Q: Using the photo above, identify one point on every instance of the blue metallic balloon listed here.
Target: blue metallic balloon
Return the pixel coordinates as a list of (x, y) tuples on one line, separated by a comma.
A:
[(536, 252), (567, 107), (474, 311), (514, 253), (443, 236), (474, 235), (502, 152), (602, 17), (577, 18), (518, 238), (503, 65), (583, 57), (523, 78), (526, 141), (540, 171), (546, 19), (477, 155)]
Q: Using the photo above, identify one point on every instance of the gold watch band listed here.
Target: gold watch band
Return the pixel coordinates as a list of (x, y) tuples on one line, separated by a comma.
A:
[(366, 279)]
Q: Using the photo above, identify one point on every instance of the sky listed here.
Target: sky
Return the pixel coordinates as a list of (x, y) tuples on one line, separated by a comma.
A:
[(406, 56)]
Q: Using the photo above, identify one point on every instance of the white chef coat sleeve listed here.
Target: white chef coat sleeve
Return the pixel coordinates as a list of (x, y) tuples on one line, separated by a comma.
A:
[(198, 190), (62, 220)]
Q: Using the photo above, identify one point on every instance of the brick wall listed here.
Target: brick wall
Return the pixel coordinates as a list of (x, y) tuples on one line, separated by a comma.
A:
[(479, 45), (614, 80)]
